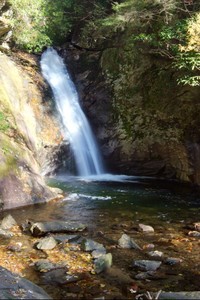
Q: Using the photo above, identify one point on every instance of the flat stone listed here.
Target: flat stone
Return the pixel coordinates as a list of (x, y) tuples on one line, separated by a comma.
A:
[(143, 275), (98, 253), (41, 228), (173, 261), (180, 295), (67, 238), (60, 276), (147, 265), (44, 265)]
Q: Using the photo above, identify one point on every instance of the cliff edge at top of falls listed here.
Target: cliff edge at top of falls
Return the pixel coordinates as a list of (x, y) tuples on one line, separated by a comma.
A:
[(27, 128)]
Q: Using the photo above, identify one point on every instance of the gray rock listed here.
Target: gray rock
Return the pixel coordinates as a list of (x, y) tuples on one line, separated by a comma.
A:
[(147, 265), (102, 263), (194, 234), (8, 222), (173, 261), (180, 295), (126, 242), (15, 247), (12, 286), (90, 245), (44, 265), (67, 238), (155, 253), (197, 226), (144, 275), (59, 276), (5, 233), (145, 228), (98, 253), (46, 243), (41, 228)]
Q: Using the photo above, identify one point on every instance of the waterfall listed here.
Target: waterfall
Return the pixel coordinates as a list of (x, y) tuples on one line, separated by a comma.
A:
[(76, 127)]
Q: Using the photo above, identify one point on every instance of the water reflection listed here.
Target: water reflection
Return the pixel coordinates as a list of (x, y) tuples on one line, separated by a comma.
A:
[(150, 201)]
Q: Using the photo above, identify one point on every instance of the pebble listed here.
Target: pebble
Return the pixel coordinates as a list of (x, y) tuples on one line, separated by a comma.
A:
[(145, 228)]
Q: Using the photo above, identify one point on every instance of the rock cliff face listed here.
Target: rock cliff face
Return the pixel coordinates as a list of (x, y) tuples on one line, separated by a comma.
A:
[(145, 123), (27, 128)]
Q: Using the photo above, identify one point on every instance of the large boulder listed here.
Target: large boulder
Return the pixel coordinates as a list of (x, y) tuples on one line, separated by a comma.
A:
[(13, 286)]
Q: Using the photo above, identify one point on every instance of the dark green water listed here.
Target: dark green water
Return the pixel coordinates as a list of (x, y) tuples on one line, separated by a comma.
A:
[(136, 199)]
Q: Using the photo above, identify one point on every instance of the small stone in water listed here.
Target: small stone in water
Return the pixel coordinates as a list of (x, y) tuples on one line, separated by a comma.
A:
[(15, 247), (173, 261), (155, 253), (149, 247), (194, 234), (147, 265), (197, 226), (145, 228)]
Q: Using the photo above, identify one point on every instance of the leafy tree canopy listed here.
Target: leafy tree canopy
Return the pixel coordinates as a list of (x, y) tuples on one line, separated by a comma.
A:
[(38, 23), (170, 29)]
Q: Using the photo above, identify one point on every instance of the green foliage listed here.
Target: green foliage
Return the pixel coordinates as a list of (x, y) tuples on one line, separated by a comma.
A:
[(159, 27), (39, 23), (28, 24), (4, 125), (189, 63)]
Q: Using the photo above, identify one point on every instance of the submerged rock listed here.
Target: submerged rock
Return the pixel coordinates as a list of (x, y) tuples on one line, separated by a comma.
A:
[(15, 247), (41, 228), (194, 234), (44, 265), (155, 253), (173, 261), (5, 233), (180, 295), (60, 276), (147, 265), (13, 286), (102, 263)]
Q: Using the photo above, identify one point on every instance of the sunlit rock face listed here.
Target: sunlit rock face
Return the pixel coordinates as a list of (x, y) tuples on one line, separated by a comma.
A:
[(158, 131), (26, 127)]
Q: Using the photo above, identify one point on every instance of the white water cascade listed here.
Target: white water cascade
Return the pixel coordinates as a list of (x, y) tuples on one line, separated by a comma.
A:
[(76, 127)]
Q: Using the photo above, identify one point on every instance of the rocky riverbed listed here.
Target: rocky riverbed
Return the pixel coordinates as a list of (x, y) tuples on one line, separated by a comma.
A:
[(67, 260)]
